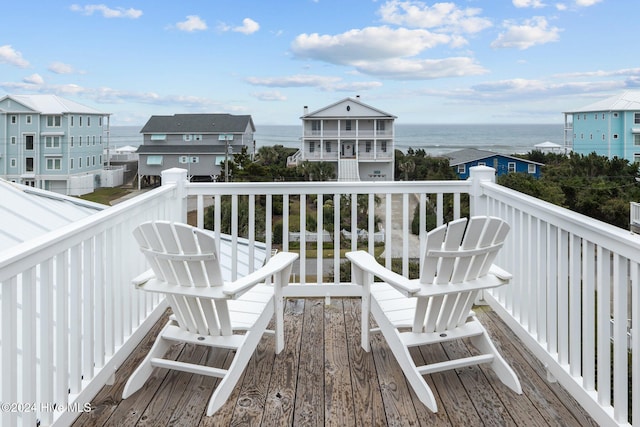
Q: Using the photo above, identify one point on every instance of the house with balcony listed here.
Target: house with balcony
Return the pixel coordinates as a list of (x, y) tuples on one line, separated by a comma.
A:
[(52, 143), (356, 138), (464, 160), (200, 143), (610, 127), (73, 327)]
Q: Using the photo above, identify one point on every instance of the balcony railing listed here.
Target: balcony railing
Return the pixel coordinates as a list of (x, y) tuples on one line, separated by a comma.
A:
[(70, 316)]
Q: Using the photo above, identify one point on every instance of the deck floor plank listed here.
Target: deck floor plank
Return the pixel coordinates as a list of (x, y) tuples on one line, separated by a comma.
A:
[(323, 376)]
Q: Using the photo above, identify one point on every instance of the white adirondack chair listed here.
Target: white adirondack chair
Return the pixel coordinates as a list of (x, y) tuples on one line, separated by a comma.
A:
[(206, 309), (436, 307)]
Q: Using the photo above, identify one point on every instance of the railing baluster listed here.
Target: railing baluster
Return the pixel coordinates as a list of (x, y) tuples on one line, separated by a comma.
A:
[(9, 345), (603, 286), (620, 349), (29, 335)]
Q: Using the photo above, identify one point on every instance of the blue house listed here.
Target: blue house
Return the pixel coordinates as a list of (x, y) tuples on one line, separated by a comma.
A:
[(462, 160), (610, 127)]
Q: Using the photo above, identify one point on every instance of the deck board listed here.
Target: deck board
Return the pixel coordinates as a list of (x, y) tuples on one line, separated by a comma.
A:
[(324, 377)]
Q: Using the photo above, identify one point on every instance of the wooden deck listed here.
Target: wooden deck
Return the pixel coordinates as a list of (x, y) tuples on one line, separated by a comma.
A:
[(323, 377)]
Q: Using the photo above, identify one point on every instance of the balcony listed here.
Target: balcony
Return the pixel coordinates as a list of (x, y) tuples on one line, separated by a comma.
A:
[(73, 326)]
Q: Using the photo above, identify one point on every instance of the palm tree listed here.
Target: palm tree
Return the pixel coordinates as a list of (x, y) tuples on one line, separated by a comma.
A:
[(407, 166)]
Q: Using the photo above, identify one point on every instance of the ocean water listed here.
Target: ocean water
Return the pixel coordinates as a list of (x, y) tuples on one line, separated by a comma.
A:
[(434, 139)]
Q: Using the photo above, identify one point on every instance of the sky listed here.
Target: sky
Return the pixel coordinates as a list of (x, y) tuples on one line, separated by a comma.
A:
[(465, 61)]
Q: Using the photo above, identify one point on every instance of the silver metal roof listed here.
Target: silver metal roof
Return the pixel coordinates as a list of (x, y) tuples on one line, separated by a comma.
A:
[(26, 212), (626, 101)]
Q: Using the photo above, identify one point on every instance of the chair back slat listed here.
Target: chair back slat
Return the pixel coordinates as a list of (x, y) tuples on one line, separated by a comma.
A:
[(457, 252), (182, 255)]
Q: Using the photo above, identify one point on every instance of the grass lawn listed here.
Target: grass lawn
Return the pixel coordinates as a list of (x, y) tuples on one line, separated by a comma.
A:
[(106, 195)]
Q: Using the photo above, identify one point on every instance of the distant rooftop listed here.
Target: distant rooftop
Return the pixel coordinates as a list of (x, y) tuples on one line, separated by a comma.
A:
[(198, 123), (52, 104), (28, 212), (471, 155), (626, 101)]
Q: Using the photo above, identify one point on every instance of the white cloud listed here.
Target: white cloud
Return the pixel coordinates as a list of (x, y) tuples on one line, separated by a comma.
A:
[(61, 68), (192, 23), (106, 11), (35, 79), (326, 83), (528, 3), (9, 55), (371, 44), (249, 26), (421, 69), (269, 96), (441, 16), (532, 32), (586, 3)]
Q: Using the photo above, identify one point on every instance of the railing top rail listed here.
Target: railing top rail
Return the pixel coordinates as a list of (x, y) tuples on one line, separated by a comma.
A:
[(34, 251), (328, 187), (605, 235)]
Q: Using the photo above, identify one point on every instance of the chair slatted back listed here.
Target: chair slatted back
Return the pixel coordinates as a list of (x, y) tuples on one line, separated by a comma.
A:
[(460, 251), (186, 256)]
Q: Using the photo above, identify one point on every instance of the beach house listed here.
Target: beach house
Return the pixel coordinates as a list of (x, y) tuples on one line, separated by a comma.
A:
[(200, 143), (355, 138), (464, 160), (610, 127), (52, 143)]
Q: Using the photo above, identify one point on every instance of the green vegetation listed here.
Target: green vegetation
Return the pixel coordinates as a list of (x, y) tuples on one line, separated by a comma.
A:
[(106, 195)]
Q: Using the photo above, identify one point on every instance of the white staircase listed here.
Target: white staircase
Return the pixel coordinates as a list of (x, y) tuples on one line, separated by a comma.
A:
[(348, 170)]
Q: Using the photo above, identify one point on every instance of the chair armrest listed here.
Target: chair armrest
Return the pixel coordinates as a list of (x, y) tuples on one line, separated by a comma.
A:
[(500, 273), (366, 262), (143, 278), (277, 263)]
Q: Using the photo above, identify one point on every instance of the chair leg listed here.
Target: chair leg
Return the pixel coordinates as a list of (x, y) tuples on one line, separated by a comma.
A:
[(402, 355), (241, 359), (502, 369), (145, 369)]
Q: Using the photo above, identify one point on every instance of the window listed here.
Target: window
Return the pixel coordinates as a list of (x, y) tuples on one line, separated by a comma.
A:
[(186, 137), (584, 116), (88, 161), (154, 160), (511, 167), (100, 139), (70, 163), (482, 164), (158, 137), (14, 120), (315, 125), (602, 116), (88, 121), (28, 142), (603, 137), (71, 141), (80, 121), (79, 162), (52, 141), (636, 139), (595, 116), (188, 159), (28, 120), (93, 161), (367, 146), (636, 158), (615, 136), (54, 164), (79, 141), (197, 137), (93, 140), (462, 169), (312, 146), (29, 164), (71, 119), (532, 168), (615, 115), (13, 163), (13, 140), (100, 121), (53, 121), (380, 125), (636, 118), (383, 146), (347, 125), (328, 146)]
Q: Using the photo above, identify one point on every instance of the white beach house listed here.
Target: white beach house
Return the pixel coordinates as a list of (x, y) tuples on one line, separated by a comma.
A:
[(355, 138)]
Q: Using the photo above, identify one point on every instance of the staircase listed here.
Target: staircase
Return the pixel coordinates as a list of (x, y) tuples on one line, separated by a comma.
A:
[(348, 170)]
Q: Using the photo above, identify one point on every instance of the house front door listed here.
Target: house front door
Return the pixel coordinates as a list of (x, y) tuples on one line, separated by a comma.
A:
[(348, 149)]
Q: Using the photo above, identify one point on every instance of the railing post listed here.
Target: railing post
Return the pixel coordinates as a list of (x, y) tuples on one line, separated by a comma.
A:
[(178, 177), (479, 174)]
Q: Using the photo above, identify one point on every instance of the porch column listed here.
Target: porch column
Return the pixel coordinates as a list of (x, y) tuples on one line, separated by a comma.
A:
[(479, 174), (177, 177)]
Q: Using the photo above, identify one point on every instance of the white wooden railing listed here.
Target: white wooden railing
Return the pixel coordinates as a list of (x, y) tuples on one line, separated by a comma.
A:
[(573, 276)]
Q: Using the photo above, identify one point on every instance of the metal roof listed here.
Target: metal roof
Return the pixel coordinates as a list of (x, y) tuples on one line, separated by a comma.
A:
[(52, 104), (471, 155), (198, 123), (28, 212), (626, 101), (346, 100)]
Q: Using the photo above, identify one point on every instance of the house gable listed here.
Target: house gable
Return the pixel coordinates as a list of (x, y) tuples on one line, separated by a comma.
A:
[(9, 105), (346, 108)]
